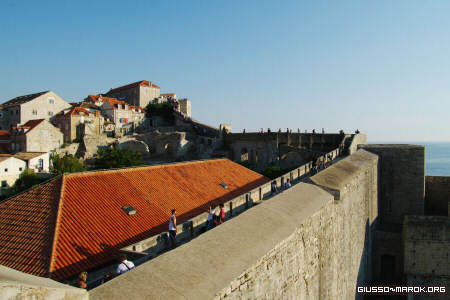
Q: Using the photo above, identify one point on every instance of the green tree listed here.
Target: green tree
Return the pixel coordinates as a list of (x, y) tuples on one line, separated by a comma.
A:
[(272, 172), (164, 110), (26, 180), (67, 164), (117, 158)]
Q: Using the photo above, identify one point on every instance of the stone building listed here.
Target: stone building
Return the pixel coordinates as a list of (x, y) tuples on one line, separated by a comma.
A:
[(185, 106), (121, 117), (36, 161), (36, 136), (10, 170), (43, 105), (138, 93), (71, 122), (125, 117), (167, 96)]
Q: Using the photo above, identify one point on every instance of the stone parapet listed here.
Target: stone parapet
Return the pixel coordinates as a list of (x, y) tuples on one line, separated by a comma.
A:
[(302, 244), (21, 286)]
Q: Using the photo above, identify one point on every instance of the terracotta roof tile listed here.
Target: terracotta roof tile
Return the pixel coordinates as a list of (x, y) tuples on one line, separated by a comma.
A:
[(27, 228), (91, 226), (133, 85), (30, 125), (5, 135), (78, 110)]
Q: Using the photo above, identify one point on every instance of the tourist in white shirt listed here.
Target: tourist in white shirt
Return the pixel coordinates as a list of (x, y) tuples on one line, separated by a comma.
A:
[(124, 265), (210, 218), (173, 228)]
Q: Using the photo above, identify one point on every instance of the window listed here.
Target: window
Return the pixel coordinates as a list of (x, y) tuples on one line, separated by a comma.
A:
[(17, 111), (41, 163), (50, 113), (4, 183), (20, 169), (6, 169), (34, 112), (129, 210), (51, 100)]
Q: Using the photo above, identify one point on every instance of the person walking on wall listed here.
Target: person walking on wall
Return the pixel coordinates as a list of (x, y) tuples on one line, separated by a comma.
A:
[(287, 184), (124, 265), (274, 187), (81, 282), (173, 229), (210, 218), (221, 214)]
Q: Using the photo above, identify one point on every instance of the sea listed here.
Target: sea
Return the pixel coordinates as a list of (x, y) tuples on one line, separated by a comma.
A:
[(437, 156)]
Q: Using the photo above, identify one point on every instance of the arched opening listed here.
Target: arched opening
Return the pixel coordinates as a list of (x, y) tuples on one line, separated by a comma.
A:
[(244, 155), (168, 148)]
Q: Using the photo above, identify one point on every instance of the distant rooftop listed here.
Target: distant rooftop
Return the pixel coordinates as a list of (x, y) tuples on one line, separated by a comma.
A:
[(28, 155), (29, 125), (133, 85), (22, 99)]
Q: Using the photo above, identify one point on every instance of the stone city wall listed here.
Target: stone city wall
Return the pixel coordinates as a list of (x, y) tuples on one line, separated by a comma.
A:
[(427, 252), (263, 149), (437, 195), (304, 243), (195, 226), (21, 286), (401, 185)]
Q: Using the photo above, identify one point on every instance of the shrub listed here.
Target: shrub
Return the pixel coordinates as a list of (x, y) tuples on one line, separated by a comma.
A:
[(164, 110), (117, 158), (272, 172), (67, 164), (26, 180)]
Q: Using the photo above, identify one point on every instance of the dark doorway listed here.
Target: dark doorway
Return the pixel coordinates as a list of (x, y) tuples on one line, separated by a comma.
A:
[(387, 269)]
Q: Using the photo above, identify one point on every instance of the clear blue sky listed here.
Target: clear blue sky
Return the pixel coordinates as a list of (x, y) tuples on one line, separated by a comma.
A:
[(380, 66)]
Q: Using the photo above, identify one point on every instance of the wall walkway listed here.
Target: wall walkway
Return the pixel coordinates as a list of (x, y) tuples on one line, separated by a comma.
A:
[(304, 243)]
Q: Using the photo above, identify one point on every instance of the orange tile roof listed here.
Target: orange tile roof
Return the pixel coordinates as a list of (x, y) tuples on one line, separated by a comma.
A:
[(132, 85), (5, 135), (77, 110), (97, 98), (26, 227), (90, 227), (167, 95), (31, 124), (111, 100)]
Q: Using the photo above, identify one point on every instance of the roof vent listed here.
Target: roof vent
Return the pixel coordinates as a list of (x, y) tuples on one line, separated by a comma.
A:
[(129, 210), (224, 185)]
